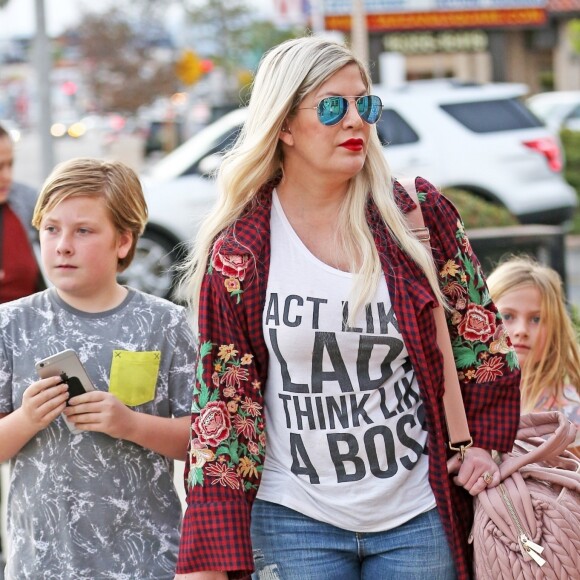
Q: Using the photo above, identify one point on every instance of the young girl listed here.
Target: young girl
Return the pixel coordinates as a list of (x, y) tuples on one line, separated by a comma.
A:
[(530, 299)]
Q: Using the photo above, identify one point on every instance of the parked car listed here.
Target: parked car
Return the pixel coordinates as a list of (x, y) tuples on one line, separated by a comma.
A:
[(163, 136), (479, 138), (558, 109)]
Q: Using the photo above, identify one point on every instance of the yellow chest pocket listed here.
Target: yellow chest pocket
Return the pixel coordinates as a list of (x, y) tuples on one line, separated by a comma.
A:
[(134, 376)]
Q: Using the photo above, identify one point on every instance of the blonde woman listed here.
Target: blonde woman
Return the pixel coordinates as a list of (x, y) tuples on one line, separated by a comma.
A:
[(318, 443), (530, 298)]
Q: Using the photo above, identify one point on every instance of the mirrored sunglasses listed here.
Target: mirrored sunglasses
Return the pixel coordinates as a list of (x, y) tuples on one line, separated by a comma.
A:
[(332, 110)]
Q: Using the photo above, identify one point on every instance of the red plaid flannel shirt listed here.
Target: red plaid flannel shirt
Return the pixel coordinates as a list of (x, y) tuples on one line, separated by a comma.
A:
[(222, 484)]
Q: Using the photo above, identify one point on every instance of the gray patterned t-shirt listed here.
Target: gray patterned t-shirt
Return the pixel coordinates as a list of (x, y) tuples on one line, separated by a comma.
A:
[(88, 506)]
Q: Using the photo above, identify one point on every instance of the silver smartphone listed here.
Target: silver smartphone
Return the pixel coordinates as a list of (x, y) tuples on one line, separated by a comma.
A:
[(68, 366)]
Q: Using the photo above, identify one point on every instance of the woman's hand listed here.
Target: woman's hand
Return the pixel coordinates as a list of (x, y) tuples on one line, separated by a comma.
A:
[(477, 472)]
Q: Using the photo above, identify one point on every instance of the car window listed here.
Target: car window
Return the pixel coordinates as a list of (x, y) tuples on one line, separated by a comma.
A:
[(220, 145), (394, 130), (492, 116), (185, 159), (575, 113)]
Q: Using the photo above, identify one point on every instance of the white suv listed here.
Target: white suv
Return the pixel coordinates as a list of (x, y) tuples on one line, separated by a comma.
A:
[(479, 138), (558, 109)]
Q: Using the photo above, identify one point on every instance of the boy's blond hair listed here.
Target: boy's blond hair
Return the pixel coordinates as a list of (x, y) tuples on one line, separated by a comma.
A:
[(114, 181)]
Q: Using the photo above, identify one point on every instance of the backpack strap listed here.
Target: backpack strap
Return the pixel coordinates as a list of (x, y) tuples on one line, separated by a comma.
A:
[(459, 436)]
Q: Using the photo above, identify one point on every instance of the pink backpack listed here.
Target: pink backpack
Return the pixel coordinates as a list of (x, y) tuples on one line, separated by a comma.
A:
[(528, 527)]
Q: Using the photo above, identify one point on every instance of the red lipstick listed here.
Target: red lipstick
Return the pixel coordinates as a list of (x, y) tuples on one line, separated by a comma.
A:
[(353, 144)]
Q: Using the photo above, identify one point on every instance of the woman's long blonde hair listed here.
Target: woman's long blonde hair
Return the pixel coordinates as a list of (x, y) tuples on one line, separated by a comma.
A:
[(286, 74), (545, 371)]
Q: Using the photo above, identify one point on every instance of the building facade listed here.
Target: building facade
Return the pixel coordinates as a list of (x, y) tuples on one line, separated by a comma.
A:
[(529, 41)]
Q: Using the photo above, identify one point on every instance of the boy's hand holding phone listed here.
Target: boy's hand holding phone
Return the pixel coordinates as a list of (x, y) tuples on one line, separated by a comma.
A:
[(100, 411), (43, 401), (66, 365)]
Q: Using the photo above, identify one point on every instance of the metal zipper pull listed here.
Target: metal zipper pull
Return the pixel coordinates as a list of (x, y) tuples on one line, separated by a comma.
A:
[(527, 542), (533, 550)]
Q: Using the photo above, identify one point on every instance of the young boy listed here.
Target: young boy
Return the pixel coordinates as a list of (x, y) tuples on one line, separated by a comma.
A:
[(99, 504)]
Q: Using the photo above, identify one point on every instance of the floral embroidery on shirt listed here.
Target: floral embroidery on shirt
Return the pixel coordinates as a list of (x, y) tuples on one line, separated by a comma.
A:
[(481, 338), (489, 370), (232, 266), (450, 269), (500, 342), (227, 439), (477, 324)]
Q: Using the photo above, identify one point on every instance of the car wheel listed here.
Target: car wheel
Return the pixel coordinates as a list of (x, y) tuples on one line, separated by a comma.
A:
[(153, 267)]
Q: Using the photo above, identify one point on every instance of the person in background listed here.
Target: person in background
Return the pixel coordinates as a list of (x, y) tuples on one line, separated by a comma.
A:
[(530, 298), (100, 503), (318, 443), (19, 272)]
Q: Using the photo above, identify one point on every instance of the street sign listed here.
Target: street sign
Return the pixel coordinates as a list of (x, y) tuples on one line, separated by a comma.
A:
[(189, 68)]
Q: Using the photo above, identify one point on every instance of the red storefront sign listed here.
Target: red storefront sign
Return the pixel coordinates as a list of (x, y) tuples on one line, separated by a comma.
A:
[(443, 19)]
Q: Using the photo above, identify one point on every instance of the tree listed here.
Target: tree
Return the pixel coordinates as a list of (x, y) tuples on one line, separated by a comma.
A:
[(219, 28), (258, 38), (123, 72), (228, 32), (574, 34), (262, 35), (124, 69)]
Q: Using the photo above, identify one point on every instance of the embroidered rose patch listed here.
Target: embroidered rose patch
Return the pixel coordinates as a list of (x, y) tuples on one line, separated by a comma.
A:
[(228, 441)]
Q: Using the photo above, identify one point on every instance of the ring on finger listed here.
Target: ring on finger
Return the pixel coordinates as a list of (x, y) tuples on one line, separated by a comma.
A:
[(487, 477)]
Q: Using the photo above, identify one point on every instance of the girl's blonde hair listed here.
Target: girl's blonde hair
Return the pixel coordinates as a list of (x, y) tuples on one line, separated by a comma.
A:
[(286, 74), (559, 361), (114, 181)]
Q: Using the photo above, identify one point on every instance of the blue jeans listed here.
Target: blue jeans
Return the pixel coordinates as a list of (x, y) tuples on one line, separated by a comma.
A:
[(291, 546)]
